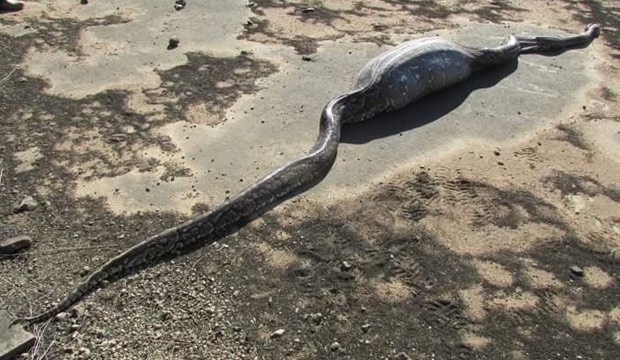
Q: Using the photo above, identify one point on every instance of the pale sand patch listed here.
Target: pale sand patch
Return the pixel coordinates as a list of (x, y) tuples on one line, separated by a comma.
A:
[(521, 301), (199, 114), (81, 142), (597, 278), (614, 315), (605, 134), (392, 291), (494, 273), (541, 279), (279, 259), (475, 341), (617, 337), (138, 102), (489, 239), (518, 355), (474, 303), (585, 320), (27, 158), (282, 235)]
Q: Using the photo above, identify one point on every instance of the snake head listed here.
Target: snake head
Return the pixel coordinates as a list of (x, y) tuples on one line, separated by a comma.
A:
[(594, 30)]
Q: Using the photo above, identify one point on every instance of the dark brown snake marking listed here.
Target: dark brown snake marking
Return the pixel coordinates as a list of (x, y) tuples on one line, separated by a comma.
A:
[(391, 81)]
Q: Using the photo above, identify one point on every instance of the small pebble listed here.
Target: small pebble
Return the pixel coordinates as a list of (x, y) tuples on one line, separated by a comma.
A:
[(15, 244), (179, 4), (278, 333), (173, 43), (27, 204), (335, 346), (61, 316), (85, 270), (576, 271), (118, 138), (402, 356)]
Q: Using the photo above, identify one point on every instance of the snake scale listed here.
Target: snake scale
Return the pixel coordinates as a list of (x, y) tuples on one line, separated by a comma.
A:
[(390, 81)]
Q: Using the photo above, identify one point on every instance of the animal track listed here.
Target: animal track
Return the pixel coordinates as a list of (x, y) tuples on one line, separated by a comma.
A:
[(445, 312), (529, 154)]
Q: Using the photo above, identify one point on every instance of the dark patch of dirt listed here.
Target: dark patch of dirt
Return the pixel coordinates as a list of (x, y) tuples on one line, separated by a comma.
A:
[(544, 330), (33, 118), (214, 82), (581, 184), (573, 136)]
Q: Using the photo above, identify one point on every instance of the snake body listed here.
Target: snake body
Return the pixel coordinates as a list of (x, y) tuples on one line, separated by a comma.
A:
[(390, 81)]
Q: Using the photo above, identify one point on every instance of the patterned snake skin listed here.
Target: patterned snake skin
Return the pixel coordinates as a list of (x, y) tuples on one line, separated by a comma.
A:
[(390, 81)]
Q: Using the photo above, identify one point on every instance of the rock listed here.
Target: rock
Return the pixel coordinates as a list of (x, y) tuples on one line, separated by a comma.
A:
[(77, 311), (84, 2), (15, 244), (576, 271), (85, 270), (14, 340), (278, 333), (27, 204), (173, 43), (308, 9), (365, 327), (307, 58), (402, 356), (345, 266), (118, 138), (335, 346), (61, 316), (316, 318), (179, 4)]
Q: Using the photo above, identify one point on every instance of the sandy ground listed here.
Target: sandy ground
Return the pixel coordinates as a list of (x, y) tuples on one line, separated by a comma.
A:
[(502, 243)]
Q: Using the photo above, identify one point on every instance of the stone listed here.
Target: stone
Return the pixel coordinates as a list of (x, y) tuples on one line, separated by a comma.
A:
[(345, 266), (118, 138), (402, 356), (13, 340), (85, 270), (61, 316), (335, 346), (27, 204), (278, 333), (173, 43), (576, 271), (15, 244)]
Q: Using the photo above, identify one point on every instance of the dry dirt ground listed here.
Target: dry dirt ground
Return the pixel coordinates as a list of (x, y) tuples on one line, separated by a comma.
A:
[(471, 255)]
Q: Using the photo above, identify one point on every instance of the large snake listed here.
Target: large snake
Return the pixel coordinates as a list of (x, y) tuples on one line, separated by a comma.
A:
[(388, 82)]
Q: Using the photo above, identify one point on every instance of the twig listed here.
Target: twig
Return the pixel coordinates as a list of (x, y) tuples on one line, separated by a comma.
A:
[(59, 250), (39, 340), (7, 75)]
